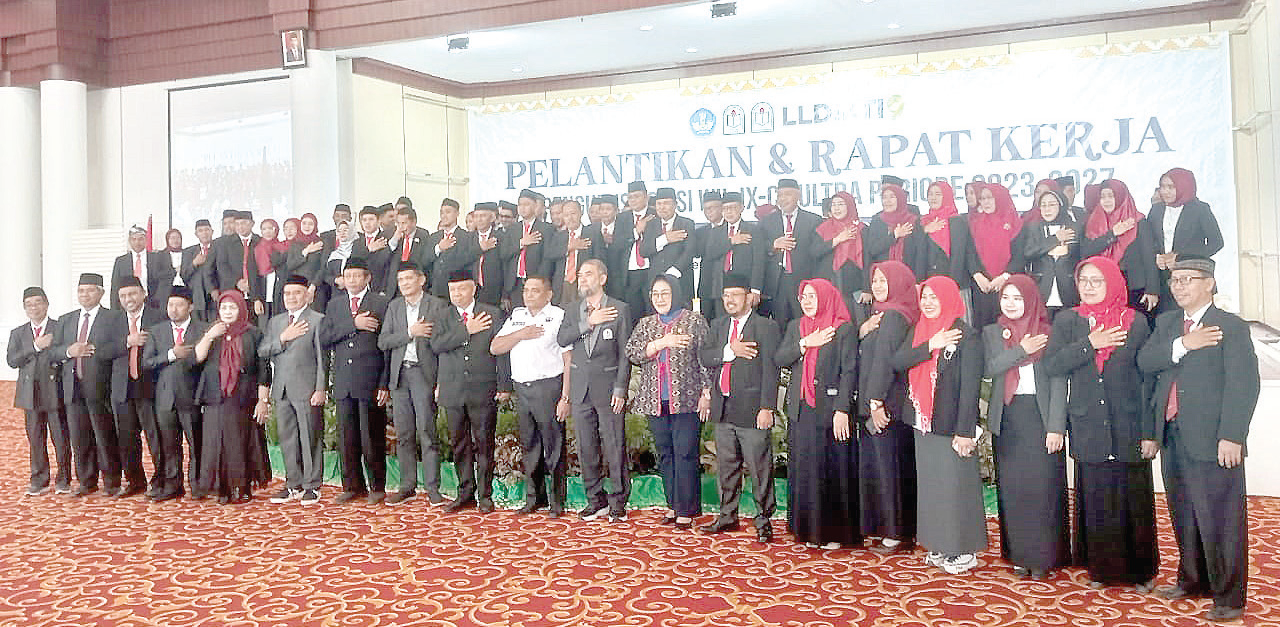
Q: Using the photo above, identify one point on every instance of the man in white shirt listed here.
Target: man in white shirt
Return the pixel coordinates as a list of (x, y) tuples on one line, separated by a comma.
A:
[(539, 369)]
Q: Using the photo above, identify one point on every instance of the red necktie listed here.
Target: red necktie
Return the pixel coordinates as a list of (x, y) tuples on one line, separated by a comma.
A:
[(244, 260), (35, 333), (728, 259), (355, 305), (137, 265), (177, 336), (724, 370), (134, 369), (368, 241), (83, 337), (293, 318), (465, 317), (639, 259), (786, 254), (404, 252), (1171, 409), (520, 266), (571, 265), (480, 266), (204, 249)]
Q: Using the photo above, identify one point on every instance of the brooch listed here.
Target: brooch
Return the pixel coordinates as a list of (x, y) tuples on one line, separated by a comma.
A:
[(1093, 322), (1006, 334)]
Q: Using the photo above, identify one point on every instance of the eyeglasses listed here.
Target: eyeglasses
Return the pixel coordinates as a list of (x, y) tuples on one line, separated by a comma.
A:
[(1183, 281), (1085, 281), (660, 294)]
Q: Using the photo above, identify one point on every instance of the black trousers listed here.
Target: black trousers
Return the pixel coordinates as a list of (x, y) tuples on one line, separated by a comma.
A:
[(175, 423), (602, 447), (93, 441), (134, 417), (637, 293), (542, 440), (471, 433), (413, 406), (748, 449), (784, 305), (362, 436), (52, 425), (1210, 522)]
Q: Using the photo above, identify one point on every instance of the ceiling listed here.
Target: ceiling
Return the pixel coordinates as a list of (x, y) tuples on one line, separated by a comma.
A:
[(677, 35)]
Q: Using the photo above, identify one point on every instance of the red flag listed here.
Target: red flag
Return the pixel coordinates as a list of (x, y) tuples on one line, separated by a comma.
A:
[(150, 246)]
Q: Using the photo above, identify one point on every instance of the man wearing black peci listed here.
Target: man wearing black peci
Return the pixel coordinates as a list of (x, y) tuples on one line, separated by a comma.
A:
[(133, 391), (525, 247), (791, 236), (170, 354), (37, 393), (734, 247)]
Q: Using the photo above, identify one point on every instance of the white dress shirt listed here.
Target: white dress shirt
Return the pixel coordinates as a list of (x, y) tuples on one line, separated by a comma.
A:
[(539, 358), (411, 315), (1171, 215), (1180, 350), (182, 325), (93, 315)]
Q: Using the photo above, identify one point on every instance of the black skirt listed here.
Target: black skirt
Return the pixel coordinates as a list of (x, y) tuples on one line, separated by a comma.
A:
[(1032, 489), (822, 482), (887, 481), (234, 446), (1116, 522)]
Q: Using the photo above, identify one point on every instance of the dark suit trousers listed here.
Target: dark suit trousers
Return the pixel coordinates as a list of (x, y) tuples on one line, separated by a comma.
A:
[(93, 441), (542, 439), (53, 425), (785, 303), (677, 438), (174, 423), (413, 406), (637, 293), (132, 417), (739, 448), (1207, 505), (362, 435), (301, 429), (471, 435), (602, 445)]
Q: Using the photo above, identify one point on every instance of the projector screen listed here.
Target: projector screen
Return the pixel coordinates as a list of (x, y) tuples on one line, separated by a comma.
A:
[(230, 147)]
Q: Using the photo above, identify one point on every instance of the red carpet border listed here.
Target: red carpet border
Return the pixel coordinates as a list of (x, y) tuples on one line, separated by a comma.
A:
[(99, 561)]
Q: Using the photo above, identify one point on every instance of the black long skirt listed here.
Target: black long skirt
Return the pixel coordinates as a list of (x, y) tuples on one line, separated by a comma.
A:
[(1032, 487), (822, 482), (1116, 522), (887, 481), (233, 447)]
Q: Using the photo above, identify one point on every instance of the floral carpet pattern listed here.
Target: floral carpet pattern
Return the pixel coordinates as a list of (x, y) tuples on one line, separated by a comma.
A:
[(100, 561)]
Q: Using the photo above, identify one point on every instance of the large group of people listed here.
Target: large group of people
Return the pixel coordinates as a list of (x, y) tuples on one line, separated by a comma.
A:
[(1095, 325)]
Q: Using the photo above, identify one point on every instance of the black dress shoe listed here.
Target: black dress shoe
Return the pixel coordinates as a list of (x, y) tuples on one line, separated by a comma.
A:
[(347, 497), (436, 499), (130, 490), (1173, 593), (165, 495), (223, 499), (1018, 571), (720, 526), (460, 503), (1145, 588), (669, 519), (528, 508), (1220, 614), (485, 506), (556, 511), (764, 535), (199, 495)]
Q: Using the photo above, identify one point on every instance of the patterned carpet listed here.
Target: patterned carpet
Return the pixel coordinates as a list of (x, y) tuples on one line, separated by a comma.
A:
[(99, 561)]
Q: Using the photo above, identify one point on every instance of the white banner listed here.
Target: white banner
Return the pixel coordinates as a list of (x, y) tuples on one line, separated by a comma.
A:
[(1125, 111)]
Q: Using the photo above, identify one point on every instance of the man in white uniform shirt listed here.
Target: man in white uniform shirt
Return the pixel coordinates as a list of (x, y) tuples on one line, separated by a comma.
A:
[(539, 369)]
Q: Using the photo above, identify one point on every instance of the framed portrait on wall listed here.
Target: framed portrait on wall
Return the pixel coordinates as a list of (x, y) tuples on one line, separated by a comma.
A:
[(293, 47)]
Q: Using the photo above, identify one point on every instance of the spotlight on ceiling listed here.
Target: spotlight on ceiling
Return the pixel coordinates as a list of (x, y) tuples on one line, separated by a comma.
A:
[(723, 9), (458, 44)]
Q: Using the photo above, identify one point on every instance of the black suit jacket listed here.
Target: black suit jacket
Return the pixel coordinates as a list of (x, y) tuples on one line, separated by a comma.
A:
[(160, 275), (1107, 412), (359, 366), (836, 377), (559, 256), (466, 366), (107, 335), (612, 253), (1031, 257), (878, 240), (463, 254), (877, 378), (489, 264), (598, 374), (420, 253), (175, 381), (37, 370), (1218, 386), (122, 388), (1051, 392), (804, 259), (199, 278), (963, 261), (254, 370), (753, 383), (677, 256), (378, 262), (955, 396), (1139, 261), (537, 260), (748, 259), (1197, 232), (228, 255)]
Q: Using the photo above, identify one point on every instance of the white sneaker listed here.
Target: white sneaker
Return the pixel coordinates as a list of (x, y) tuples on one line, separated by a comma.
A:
[(933, 558), (286, 495), (831, 546), (959, 564), (309, 497)]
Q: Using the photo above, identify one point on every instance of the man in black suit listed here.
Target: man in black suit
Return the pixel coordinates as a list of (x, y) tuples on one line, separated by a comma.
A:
[(234, 266), (607, 244), (667, 245), (596, 328), (170, 354), (88, 340), (408, 245), (454, 248), (37, 393), (371, 245), (712, 210), (570, 248), (197, 272), (469, 388), (153, 269), (791, 235), (631, 227), (507, 215), (1207, 388), (350, 330), (488, 265), (734, 247), (1067, 184), (133, 392), (524, 249), (387, 215), (739, 351)]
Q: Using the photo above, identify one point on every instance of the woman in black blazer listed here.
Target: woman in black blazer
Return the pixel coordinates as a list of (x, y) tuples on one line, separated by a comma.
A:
[(1048, 249), (1027, 414), (1182, 225), (306, 258), (950, 245), (1117, 230), (1095, 345), (821, 348), (942, 357), (895, 233), (234, 388), (886, 446)]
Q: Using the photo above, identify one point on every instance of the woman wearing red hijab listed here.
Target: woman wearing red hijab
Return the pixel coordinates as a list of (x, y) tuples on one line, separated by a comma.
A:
[(1095, 346), (993, 227), (1027, 414), (950, 245), (306, 257), (842, 265), (821, 349), (895, 233), (886, 448), (269, 255), (1117, 230), (1182, 224), (234, 387), (943, 360)]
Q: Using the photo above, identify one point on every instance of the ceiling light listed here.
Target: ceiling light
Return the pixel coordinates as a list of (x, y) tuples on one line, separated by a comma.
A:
[(690, 50), (517, 69), (458, 44), (647, 27), (868, 1), (723, 9), (894, 25)]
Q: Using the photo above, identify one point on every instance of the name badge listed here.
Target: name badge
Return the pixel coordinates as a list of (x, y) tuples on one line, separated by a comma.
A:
[(517, 323), (832, 391), (608, 334)]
